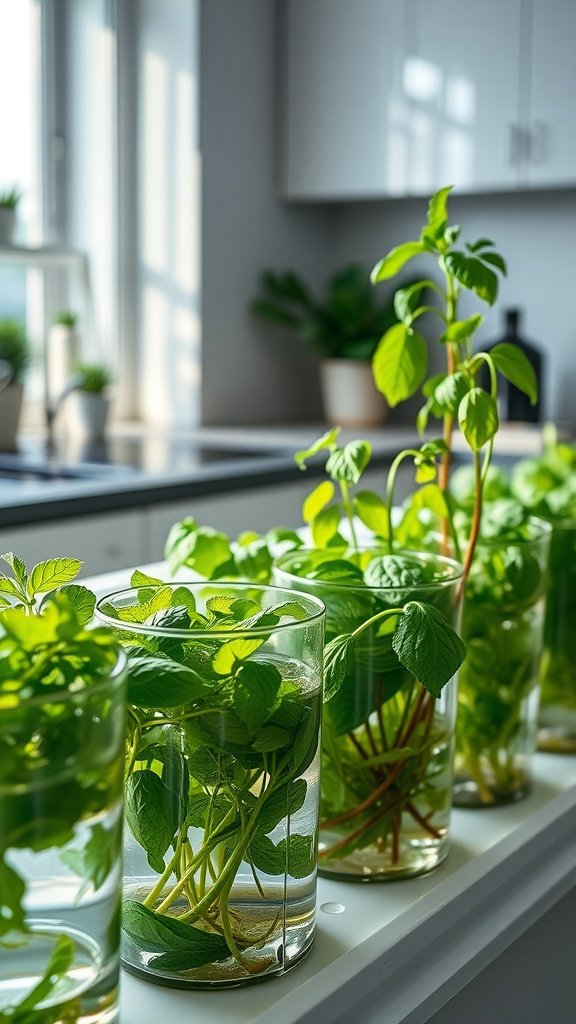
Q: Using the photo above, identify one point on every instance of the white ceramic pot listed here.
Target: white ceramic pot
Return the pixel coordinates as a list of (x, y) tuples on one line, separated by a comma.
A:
[(349, 394), (7, 224), (63, 352), (87, 415), (10, 406)]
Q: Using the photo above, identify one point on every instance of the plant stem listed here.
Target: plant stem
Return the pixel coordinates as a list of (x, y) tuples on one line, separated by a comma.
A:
[(349, 510), (476, 519), (390, 485)]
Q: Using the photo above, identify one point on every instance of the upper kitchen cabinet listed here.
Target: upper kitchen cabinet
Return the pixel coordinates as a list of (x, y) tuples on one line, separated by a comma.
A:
[(343, 105), (551, 134), (400, 97)]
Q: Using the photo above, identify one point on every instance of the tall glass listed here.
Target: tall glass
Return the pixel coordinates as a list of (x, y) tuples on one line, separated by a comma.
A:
[(225, 693), (61, 785), (502, 627), (387, 747), (557, 718)]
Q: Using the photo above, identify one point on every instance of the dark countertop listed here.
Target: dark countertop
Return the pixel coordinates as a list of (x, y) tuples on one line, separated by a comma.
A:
[(135, 467)]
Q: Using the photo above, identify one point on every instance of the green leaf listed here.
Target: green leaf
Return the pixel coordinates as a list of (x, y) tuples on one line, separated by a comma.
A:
[(52, 573), (282, 803), (325, 526), (406, 300), (450, 392), (181, 946), (496, 260), (474, 275), (141, 579), (8, 586), (438, 208), (336, 654), (397, 571), (317, 500), (154, 813), (12, 889), (478, 417), (347, 464), (81, 599), (256, 689), (516, 367), (372, 511), (96, 859), (461, 330), (400, 363), (482, 243), (395, 260), (17, 566), (295, 857), (272, 737), (162, 683), (59, 963), (327, 440), (197, 547), (427, 646), (231, 653)]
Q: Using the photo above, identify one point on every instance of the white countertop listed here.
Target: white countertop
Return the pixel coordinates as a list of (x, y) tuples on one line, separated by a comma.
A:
[(408, 946)]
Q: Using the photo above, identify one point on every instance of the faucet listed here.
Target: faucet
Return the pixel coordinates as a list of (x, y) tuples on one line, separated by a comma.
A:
[(51, 410)]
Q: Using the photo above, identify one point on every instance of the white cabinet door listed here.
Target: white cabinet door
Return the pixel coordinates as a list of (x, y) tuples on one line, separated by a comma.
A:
[(344, 114), (103, 542), (461, 80), (552, 118)]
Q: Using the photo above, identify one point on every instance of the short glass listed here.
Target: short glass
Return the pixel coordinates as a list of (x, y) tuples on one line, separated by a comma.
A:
[(224, 697), (387, 744), (557, 717), (498, 690), (61, 787)]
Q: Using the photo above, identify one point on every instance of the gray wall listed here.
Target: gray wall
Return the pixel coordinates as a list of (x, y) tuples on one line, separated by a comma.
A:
[(536, 233), (250, 373)]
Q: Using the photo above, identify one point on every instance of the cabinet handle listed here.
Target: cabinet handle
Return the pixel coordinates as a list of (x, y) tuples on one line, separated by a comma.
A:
[(540, 143), (514, 145)]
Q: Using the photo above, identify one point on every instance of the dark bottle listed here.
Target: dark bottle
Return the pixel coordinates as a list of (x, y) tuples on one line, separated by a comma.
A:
[(514, 404)]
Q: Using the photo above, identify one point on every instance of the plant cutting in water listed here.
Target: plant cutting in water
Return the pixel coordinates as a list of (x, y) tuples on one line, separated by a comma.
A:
[(390, 651), (222, 731), (60, 782)]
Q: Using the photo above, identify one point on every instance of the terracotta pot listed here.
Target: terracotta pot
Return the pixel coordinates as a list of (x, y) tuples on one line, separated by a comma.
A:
[(349, 395), (10, 406)]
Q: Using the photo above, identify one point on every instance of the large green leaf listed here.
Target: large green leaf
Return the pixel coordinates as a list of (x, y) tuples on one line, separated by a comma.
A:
[(162, 683), (154, 813), (478, 417), (317, 500), (372, 511), (52, 573), (516, 367), (180, 946), (256, 693), (395, 260), (473, 274), (427, 645), (400, 363)]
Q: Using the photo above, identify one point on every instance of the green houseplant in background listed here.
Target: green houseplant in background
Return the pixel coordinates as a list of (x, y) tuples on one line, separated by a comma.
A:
[(391, 654), (88, 405), (491, 691), (547, 486), (15, 356), (62, 742), (342, 327), (224, 693), (63, 351), (9, 199)]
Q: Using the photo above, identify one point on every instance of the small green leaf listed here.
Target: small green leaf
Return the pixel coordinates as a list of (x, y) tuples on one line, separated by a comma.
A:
[(482, 243), (327, 440), (496, 260), (516, 367), (162, 683), (438, 208), (478, 417), (325, 525), (347, 464), (336, 654), (400, 363), (231, 653), (17, 566), (372, 511), (256, 689), (450, 392), (180, 946), (395, 260), (96, 859), (12, 889), (295, 857), (154, 813), (59, 963), (272, 737), (141, 579), (317, 500), (406, 300), (474, 275), (200, 548), (427, 646), (52, 573), (282, 803), (81, 599), (10, 587), (461, 330)]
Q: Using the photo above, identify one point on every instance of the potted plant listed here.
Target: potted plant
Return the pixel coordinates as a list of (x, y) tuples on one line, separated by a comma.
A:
[(546, 485), (343, 328), (504, 586), (9, 200), (62, 743), (88, 405), (15, 354), (224, 700), (63, 351)]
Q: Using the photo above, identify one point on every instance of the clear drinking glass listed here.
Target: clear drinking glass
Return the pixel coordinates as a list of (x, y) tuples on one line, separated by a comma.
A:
[(225, 692), (498, 691), (387, 744), (61, 787), (557, 717)]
